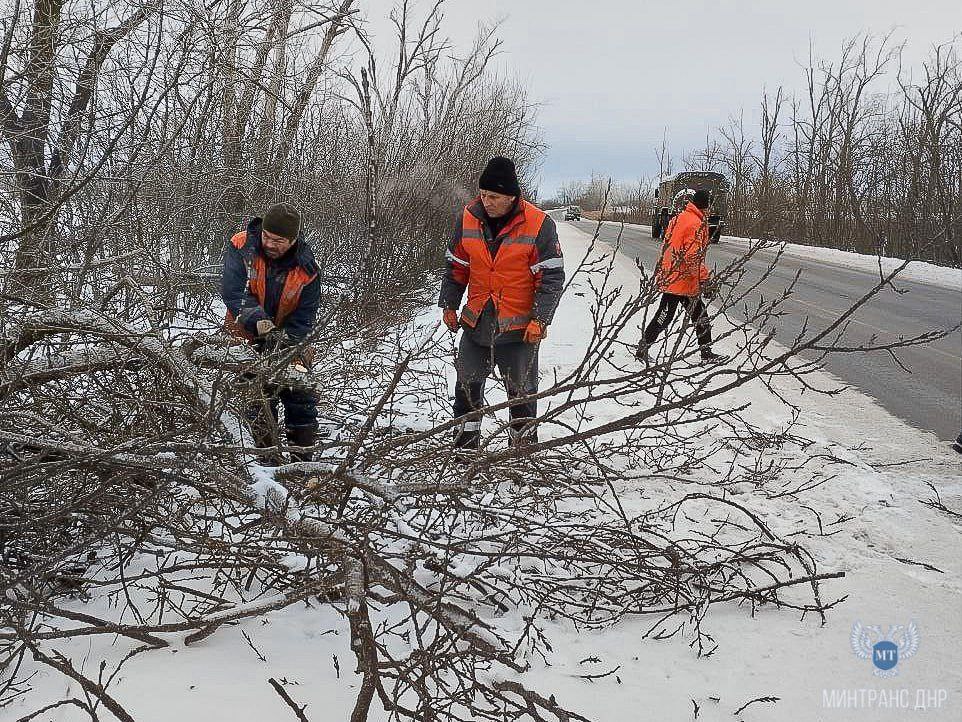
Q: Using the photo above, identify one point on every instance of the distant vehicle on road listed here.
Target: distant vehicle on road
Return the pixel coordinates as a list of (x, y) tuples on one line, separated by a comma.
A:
[(572, 213), (715, 183)]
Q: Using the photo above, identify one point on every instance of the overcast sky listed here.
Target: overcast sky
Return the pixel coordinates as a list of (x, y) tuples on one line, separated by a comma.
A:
[(613, 75)]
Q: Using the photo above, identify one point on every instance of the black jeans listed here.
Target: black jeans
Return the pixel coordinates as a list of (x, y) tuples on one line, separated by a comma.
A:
[(694, 307), (518, 363)]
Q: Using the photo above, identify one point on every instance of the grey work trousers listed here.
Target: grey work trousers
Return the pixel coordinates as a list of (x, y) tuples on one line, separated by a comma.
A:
[(518, 363)]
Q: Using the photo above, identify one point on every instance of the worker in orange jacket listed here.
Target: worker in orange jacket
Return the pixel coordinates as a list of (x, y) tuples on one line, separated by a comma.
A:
[(505, 253), (681, 277)]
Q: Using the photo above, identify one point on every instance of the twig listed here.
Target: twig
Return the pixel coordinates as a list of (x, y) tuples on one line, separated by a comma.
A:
[(250, 643), (63, 665), (924, 565), (279, 688), (758, 699)]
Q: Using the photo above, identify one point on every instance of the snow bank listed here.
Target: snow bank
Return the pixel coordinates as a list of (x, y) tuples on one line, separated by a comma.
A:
[(917, 271)]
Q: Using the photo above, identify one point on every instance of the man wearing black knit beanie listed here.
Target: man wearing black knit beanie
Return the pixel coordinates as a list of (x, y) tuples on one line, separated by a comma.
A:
[(505, 253)]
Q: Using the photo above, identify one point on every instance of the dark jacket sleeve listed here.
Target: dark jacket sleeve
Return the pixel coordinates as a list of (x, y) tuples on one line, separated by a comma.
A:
[(301, 321), (456, 273), (549, 272), (238, 299)]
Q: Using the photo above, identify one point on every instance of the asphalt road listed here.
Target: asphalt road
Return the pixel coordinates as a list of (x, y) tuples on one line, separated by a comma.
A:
[(928, 396)]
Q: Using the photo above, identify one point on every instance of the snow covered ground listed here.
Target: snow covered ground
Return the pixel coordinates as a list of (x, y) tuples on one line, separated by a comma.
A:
[(877, 471), (776, 654), (919, 271)]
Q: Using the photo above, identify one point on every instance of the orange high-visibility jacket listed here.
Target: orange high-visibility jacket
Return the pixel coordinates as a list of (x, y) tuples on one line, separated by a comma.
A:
[(524, 278), (297, 278), (681, 270)]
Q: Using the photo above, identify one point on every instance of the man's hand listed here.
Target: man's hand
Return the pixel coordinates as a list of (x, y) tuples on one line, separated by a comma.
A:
[(451, 320), (535, 332), (270, 338)]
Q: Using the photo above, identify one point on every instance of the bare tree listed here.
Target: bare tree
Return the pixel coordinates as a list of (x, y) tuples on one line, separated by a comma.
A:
[(855, 166), (42, 119), (421, 555), (122, 426)]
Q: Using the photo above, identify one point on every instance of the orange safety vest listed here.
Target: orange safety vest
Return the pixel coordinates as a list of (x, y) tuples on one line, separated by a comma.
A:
[(297, 279), (510, 279)]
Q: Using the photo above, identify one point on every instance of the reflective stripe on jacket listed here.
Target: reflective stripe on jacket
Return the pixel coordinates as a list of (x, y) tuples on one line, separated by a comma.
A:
[(524, 278), (245, 287)]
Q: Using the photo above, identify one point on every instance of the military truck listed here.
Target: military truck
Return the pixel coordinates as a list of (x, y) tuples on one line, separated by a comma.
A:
[(714, 183)]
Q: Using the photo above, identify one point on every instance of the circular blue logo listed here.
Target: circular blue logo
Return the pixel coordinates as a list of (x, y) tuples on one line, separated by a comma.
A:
[(885, 655)]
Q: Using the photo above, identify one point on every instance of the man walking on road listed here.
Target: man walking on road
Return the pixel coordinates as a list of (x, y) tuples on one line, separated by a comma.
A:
[(271, 291), (681, 276), (505, 253)]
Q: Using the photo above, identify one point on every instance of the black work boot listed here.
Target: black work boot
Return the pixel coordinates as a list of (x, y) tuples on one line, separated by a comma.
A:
[(710, 358), (468, 436), (522, 435), (467, 443), (302, 436)]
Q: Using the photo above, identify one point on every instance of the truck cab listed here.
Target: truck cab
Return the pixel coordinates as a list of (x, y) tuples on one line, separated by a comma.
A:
[(715, 183)]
